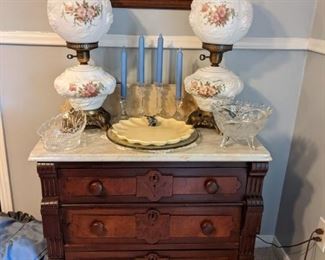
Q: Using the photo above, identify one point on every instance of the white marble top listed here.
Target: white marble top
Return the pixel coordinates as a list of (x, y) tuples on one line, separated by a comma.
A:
[(96, 147)]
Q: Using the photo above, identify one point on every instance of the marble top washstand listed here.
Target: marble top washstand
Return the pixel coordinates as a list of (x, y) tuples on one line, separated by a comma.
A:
[(96, 147)]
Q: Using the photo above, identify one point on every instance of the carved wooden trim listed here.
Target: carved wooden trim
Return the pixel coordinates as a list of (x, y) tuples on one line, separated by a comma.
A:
[(163, 4), (152, 226), (247, 247), (259, 167), (253, 210), (255, 179), (50, 210), (48, 176), (251, 227), (52, 228), (46, 168), (154, 186)]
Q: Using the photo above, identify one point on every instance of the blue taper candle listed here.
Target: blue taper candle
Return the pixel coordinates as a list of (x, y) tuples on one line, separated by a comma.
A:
[(124, 77), (160, 56), (179, 74), (141, 55)]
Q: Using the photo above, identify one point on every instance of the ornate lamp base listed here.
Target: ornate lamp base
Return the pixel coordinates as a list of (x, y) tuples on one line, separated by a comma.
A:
[(98, 118), (202, 119)]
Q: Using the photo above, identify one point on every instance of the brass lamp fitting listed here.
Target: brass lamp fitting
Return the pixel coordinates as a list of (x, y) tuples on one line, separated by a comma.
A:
[(216, 52), (83, 51)]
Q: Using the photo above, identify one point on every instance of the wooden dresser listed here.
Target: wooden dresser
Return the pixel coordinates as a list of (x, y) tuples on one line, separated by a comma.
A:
[(102, 202)]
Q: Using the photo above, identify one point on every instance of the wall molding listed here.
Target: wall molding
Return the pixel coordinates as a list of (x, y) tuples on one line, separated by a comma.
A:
[(5, 188), (32, 38), (316, 45)]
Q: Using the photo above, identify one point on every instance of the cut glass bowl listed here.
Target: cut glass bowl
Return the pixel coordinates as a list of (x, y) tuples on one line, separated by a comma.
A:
[(63, 132), (240, 121)]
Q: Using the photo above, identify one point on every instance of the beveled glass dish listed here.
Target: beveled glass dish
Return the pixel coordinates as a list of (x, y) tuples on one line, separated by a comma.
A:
[(63, 132), (240, 121)]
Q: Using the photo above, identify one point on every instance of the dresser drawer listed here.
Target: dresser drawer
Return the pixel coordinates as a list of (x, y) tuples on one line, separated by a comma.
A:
[(156, 226), (152, 185), (160, 255)]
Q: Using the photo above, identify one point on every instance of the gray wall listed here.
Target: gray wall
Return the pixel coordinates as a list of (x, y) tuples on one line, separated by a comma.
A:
[(28, 98), (318, 30), (271, 18), (303, 199)]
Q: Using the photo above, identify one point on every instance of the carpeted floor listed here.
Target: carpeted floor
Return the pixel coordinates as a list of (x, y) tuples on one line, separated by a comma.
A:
[(266, 254)]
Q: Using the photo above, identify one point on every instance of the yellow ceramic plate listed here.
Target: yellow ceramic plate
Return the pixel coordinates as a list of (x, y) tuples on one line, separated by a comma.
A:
[(137, 131)]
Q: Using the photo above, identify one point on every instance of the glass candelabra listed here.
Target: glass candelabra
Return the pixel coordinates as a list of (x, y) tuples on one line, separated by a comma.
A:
[(162, 97), (123, 114), (179, 114)]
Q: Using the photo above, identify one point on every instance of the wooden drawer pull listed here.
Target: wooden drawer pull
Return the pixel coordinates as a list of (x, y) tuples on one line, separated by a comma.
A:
[(96, 188), (211, 186), (207, 227), (98, 228)]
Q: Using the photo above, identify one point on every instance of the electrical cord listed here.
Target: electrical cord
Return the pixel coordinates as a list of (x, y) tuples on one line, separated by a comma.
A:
[(285, 246), (318, 231), (312, 237), (308, 245)]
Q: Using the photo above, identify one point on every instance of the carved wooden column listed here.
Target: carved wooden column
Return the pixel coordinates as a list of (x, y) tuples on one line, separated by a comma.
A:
[(50, 210), (253, 210)]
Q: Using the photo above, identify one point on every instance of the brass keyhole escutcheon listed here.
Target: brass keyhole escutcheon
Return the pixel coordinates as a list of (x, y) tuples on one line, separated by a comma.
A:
[(153, 216), (152, 257), (154, 178)]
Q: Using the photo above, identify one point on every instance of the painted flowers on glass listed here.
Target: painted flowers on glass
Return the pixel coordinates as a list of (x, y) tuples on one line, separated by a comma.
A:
[(90, 89), (83, 12), (207, 89), (218, 15)]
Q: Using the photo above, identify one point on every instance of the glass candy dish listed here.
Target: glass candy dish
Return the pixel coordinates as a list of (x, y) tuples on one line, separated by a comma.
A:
[(63, 132), (240, 121)]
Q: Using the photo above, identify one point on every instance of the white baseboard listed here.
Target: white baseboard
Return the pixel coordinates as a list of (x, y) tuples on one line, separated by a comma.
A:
[(33, 38), (280, 252), (261, 244)]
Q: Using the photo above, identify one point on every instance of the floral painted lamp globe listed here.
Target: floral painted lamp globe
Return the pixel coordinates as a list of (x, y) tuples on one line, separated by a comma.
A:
[(219, 24), (81, 23)]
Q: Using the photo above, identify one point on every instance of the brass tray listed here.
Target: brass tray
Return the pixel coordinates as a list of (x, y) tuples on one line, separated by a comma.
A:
[(113, 138)]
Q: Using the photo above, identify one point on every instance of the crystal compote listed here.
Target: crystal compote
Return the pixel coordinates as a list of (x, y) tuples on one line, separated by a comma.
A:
[(63, 132), (240, 121)]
